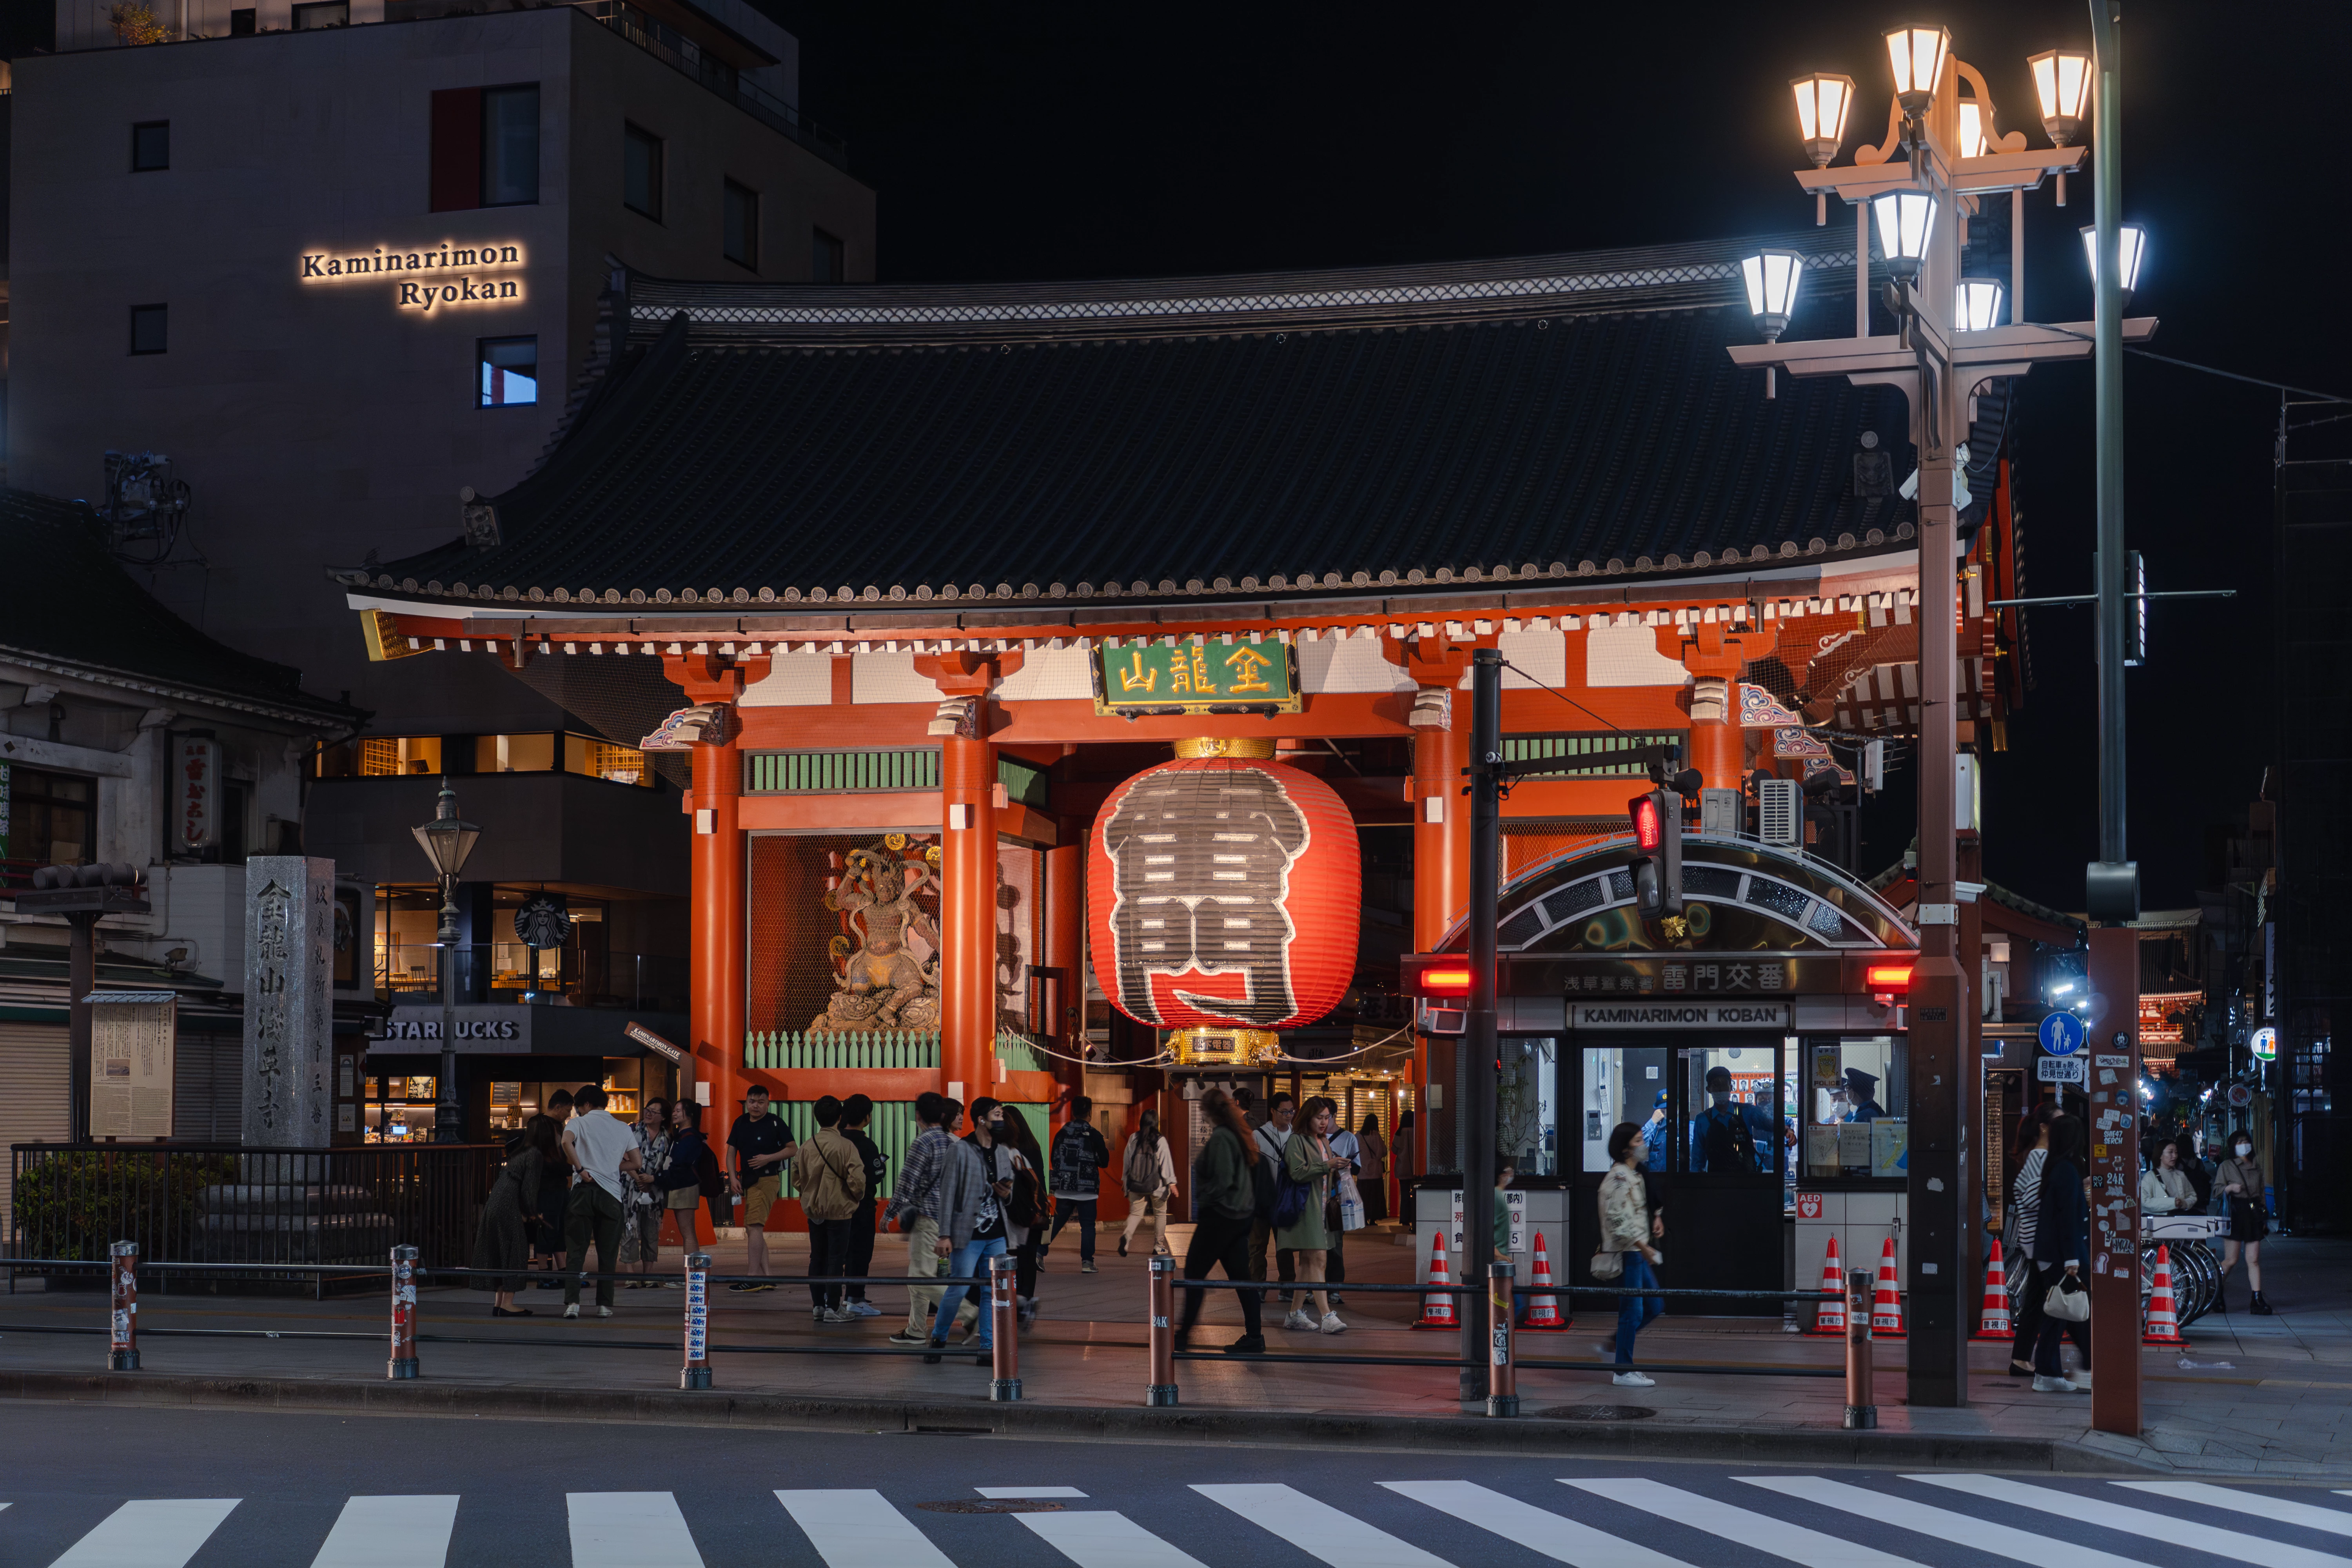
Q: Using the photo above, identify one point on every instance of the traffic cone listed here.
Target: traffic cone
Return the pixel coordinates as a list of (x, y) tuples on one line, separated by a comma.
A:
[(1437, 1306), (1543, 1306), (1887, 1301), (2163, 1315), (1993, 1324), (1830, 1316)]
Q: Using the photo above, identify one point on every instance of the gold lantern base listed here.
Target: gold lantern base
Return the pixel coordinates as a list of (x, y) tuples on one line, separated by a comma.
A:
[(1224, 1047), (1252, 748)]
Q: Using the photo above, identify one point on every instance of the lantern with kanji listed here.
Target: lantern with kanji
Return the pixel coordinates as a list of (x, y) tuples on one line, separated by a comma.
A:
[(1223, 891)]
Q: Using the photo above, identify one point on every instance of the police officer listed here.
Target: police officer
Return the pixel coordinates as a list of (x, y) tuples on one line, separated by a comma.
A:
[(1719, 1139), (1862, 1094)]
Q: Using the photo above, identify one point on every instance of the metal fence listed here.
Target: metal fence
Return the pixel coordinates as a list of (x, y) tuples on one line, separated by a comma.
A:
[(220, 1204)]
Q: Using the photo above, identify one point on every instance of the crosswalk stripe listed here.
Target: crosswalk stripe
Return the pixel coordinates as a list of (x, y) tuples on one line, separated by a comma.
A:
[(1556, 1536), (390, 1532), (1003, 1494), (1762, 1531), (1098, 1538), (1962, 1530), (153, 1533), (2103, 1515), (1317, 1529), (629, 1529), (2335, 1521), (855, 1528)]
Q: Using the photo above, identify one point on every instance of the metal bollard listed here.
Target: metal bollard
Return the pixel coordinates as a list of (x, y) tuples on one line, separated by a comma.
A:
[(1861, 1401), (1502, 1367), (1005, 1307), (1162, 1390), (697, 1372), (403, 1365), (122, 1345)]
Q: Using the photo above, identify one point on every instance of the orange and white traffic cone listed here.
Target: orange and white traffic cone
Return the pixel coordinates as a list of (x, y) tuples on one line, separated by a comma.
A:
[(2163, 1312), (1887, 1301), (1993, 1321), (1830, 1316), (1437, 1306), (1543, 1306)]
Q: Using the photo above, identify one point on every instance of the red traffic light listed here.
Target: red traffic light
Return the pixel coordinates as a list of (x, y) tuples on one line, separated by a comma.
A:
[(1435, 975), (1649, 824)]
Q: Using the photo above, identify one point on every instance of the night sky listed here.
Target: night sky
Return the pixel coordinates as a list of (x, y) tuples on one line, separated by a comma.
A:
[(1061, 142)]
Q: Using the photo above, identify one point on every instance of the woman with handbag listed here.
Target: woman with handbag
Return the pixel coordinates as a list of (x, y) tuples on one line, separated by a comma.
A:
[(2027, 1152), (2237, 1193), (1625, 1253), (1311, 1164), (2061, 1235), (685, 1179)]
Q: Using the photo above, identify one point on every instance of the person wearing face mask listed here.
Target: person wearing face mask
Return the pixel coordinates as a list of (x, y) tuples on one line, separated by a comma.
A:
[(2237, 1193)]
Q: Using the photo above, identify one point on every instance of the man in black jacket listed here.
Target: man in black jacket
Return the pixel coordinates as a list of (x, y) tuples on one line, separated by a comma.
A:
[(856, 1113), (1078, 1156)]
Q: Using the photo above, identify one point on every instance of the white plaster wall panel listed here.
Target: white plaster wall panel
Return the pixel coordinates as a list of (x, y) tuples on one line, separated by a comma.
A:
[(1629, 655), (1542, 654), (1334, 664), (888, 677), (793, 680), (1050, 674)]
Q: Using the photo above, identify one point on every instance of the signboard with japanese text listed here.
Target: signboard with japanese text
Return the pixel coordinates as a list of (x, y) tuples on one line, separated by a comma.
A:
[(195, 792), (1207, 676), (131, 1043), (1679, 1015)]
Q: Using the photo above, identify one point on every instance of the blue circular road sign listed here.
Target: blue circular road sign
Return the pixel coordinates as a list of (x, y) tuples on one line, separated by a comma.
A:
[(2061, 1034)]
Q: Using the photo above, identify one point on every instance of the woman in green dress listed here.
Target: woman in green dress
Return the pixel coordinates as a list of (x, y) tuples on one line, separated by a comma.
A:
[(1309, 1158)]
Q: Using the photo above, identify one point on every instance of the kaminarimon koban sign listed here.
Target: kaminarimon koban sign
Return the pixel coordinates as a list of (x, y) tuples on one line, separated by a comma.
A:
[(446, 276)]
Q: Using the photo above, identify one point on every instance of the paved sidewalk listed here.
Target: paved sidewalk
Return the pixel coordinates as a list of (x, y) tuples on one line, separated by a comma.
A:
[(2251, 1397)]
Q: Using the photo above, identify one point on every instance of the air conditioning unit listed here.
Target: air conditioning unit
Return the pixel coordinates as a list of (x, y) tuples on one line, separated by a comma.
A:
[(1719, 812), (1781, 811)]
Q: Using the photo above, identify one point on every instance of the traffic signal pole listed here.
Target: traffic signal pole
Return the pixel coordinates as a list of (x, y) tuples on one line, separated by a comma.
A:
[(1479, 1044)]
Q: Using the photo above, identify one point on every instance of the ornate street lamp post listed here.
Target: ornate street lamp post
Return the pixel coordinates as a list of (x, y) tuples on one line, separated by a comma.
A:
[(448, 840)]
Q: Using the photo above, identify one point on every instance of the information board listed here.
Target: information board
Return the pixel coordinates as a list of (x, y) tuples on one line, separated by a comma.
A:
[(130, 1036)]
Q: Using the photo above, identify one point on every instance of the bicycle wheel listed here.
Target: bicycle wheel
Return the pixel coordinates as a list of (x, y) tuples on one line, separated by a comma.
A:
[(2205, 1278)]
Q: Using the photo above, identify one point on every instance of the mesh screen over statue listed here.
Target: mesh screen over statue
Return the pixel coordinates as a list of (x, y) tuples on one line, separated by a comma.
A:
[(1202, 866)]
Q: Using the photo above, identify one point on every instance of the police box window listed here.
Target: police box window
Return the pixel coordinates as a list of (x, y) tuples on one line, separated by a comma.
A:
[(509, 371), (740, 224), (641, 171), (826, 258), (150, 146), (1854, 1094), (148, 328)]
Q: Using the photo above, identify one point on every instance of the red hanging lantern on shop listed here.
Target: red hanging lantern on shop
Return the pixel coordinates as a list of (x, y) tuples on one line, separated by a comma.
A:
[(1223, 891)]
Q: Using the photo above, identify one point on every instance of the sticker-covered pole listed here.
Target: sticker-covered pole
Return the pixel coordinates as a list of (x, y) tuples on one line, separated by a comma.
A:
[(403, 1365), (122, 1343), (697, 1373)]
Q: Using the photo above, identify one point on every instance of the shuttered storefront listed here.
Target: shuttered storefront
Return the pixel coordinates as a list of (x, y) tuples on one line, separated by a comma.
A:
[(33, 1097), (207, 1084)]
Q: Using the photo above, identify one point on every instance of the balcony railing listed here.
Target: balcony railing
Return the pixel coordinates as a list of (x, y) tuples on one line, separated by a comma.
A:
[(674, 48), (509, 972)]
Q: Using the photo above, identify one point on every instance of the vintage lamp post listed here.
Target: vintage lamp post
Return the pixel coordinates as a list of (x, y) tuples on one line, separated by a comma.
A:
[(1771, 277), (1915, 190), (448, 840)]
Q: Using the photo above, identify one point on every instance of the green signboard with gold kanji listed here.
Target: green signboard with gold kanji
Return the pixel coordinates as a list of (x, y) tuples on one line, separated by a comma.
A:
[(1210, 676)]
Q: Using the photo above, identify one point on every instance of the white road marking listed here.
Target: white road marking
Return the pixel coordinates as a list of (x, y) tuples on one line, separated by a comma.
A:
[(1098, 1538), (1762, 1531), (2336, 1521), (855, 1528), (1556, 1536), (1317, 1529), (390, 1532), (158, 1532), (1963, 1530), (629, 1529), (2104, 1515), (1007, 1493)]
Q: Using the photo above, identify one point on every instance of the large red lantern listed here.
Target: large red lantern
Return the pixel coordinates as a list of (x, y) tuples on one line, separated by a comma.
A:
[(1223, 891)]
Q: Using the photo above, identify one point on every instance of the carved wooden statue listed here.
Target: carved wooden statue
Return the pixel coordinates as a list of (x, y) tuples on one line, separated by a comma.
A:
[(881, 985)]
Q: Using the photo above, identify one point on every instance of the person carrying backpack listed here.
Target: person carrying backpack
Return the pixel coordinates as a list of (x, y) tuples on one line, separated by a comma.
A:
[(1270, 1140), (1225, 1204), (1079, 1155), (1149, 1174)]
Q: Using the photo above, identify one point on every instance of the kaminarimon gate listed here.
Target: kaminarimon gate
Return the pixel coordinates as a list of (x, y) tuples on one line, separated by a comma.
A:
[(915, 579)]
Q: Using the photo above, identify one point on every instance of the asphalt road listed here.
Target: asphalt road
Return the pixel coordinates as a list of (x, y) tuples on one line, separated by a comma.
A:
[(85, 1488)]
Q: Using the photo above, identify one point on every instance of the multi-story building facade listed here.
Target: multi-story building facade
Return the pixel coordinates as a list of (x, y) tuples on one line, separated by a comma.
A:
[(341, 263)]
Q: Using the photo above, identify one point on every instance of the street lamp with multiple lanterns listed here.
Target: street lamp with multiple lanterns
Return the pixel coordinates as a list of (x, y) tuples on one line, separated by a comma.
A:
[(448, 840), (1942, 157)]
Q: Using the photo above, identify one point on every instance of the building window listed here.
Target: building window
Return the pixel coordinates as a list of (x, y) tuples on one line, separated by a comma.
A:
[(147, 328), (509, 371), (326, 14), (826, 258), (740, 239), (509, 145), (603, 759), (485, 150), (150, 146), (641, 172), (46, 819), (241, 23)]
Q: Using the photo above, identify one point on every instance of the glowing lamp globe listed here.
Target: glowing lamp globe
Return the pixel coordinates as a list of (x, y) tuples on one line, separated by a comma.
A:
[(1223, 891)]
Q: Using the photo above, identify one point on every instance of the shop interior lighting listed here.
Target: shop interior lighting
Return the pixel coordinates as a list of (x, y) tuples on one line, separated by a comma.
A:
[(1906, 221), (1918, 55), (2132, 242), (1976, 306)]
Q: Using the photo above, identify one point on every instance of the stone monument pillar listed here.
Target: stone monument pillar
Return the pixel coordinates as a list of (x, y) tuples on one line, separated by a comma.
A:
[(289, 1019)]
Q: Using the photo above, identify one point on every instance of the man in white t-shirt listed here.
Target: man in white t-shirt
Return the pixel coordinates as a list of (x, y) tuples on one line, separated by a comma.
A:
[(603, 1152)]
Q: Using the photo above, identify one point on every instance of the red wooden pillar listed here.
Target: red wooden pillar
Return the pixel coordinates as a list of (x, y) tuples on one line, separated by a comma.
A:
[(1066, 951), (967, 867), (1715, 654)]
